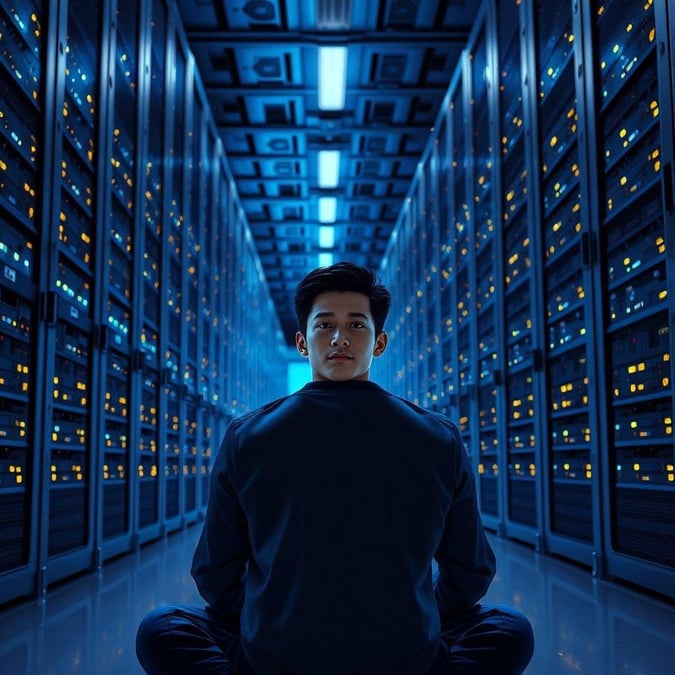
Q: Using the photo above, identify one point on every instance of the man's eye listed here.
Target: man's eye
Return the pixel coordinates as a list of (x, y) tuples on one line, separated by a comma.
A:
[(359, 324)]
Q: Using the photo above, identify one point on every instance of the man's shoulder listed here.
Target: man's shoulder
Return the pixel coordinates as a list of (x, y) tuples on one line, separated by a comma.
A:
[(431, 417), (259, 412)]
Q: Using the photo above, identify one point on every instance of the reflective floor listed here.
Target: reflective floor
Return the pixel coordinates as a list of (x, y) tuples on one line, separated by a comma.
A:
[(581, 625)]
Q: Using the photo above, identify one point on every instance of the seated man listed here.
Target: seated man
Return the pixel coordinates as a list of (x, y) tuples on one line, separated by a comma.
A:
[(327, 508)]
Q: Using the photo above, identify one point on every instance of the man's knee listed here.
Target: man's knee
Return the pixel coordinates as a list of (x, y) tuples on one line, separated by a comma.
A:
[(153, 631), (517, 627)]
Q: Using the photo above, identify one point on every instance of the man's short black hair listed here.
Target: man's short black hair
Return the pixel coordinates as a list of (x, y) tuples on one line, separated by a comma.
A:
[(342, 276)]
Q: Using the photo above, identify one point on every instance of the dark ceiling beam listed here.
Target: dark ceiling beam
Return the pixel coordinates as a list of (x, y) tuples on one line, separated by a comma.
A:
[(374, 223), (372, 130), (355, 158), (292, 39), (303, 180), (264, 89), (344, 199)]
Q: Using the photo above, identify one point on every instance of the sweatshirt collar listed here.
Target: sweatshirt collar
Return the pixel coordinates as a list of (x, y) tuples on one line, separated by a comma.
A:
[(342, 385)]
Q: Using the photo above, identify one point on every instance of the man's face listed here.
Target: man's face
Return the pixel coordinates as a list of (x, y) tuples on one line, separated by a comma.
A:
[(340, 339)]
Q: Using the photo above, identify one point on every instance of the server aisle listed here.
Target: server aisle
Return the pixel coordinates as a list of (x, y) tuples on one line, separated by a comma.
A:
[(582, 626)]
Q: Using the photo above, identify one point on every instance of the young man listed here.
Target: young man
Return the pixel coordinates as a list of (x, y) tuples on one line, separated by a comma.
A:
[(327, 508)]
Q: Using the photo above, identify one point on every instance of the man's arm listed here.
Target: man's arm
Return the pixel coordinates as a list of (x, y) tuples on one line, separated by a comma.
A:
[(466, 562), (219, 561)]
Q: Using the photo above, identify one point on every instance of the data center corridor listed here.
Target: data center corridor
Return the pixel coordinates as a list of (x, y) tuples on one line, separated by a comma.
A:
[(169, 169)]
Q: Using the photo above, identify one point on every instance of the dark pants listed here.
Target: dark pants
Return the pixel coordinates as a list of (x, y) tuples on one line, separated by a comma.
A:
[(180, 640)]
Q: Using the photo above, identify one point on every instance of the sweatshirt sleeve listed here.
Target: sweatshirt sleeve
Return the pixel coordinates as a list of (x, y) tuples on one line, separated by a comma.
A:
[(219, 561), (466, 562)]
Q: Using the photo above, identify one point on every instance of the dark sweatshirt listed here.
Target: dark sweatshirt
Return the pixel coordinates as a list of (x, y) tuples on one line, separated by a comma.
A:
[(325, 512)]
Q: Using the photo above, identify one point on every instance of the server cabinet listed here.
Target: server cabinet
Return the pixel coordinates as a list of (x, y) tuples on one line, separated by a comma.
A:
[(484, 254), (410, 285), (631, 89), (461, 292), (392, 370), (196, 269), (150, 264), (571, 495), (24, 44), (446, 244), (74, 322), (407, 283), (522, 446), (174, 334), (430, 310), (513, 312), (117, 438), (209, 313), (222, 323)]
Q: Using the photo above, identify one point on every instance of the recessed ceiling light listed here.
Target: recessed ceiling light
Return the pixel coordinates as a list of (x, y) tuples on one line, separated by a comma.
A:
[(332, 77)]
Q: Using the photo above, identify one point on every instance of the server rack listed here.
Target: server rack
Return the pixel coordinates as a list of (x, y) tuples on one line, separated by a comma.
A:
[(430, 318), (522, 302), (73, 216), (571, 500), (485, 269), (192, 273), (460, 295), (120, 288), (566, 405), (115, 312), (416, 384), (392, 371), (173, 330), (447, 309), (630, 86), (24, 46), (209, 260)]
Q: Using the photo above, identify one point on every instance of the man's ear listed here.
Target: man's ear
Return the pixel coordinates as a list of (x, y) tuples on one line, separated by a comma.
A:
[(301, 344), (380, 344)]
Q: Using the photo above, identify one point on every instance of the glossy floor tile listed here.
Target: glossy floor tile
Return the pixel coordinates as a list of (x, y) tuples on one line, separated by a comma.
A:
[(582, 625)]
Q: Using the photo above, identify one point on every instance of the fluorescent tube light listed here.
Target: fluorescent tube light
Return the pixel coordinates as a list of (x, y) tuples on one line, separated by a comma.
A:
[(325, 259), (326, 236), (332, 77), (327, 209), (329, 168)]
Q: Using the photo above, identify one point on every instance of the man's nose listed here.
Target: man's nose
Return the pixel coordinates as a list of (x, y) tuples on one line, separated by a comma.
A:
[(339, 339)]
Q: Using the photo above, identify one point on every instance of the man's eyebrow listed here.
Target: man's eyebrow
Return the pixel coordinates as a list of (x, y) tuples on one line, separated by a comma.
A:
[(321, 315)]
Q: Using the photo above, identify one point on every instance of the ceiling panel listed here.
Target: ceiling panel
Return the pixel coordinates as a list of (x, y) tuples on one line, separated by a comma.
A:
[(258, 62)]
